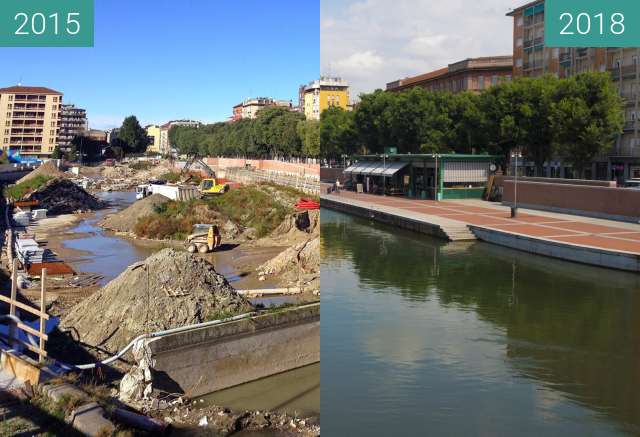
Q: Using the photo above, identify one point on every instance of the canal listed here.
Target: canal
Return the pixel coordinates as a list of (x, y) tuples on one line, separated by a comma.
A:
[(423, 337)]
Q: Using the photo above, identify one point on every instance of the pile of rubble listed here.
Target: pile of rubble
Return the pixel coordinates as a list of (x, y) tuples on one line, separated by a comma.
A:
[(167, 290), (62, 196), (48, 169), (125, 220)]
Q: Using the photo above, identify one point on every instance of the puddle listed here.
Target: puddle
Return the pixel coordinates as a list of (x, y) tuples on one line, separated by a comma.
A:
[(296, 392), (106, 254)]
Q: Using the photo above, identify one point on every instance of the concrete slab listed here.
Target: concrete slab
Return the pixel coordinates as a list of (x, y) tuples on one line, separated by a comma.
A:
[(89, 419)]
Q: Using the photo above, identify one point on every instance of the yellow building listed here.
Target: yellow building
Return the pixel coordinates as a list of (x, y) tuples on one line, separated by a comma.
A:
[(153, 132), (325, 93), (30, 119)]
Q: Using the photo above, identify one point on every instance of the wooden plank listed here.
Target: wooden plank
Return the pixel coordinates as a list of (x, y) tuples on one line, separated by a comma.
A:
[(27, 308), (43, 303), (32, 331), (32, 348)]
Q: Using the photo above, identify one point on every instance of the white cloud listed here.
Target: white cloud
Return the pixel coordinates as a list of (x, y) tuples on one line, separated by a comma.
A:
[(359, 63), (372, 42)]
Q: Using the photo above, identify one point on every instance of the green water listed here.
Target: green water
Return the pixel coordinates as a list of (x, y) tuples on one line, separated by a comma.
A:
[(421, 337)]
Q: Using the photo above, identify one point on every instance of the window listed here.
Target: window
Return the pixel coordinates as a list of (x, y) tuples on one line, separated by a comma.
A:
[(55, 99), (555, 54), (519, 62), (481, 82), (519, 21), (7, 123), (6, 140), (8, 115), (53, 124), (494, 80), (10, 106), (6, 131), (11, 98), (52, 132), (50, 140), (519, 42), (634, 59)]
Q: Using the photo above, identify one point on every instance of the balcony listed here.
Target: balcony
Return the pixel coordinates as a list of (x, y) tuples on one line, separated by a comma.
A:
[(627, 151), (538, 41), (630, 99), (23, 98), (565, 58), (629, 126), (624, 72)]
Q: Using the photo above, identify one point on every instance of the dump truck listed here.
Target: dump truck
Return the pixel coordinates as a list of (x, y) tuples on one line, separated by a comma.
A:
[(204, 238), (213, 186)]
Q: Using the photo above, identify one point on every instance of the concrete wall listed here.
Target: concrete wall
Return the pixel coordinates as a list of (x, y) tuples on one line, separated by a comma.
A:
[(595, 201), (499, 181), (332, 174), (401, 222), (292, 168), (205, 360), (560, 250)]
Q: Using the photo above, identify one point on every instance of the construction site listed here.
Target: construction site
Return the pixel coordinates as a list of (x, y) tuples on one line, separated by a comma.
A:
[(150, 297)]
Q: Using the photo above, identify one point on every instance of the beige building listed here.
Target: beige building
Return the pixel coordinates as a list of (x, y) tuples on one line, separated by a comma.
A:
[(531, 58), (29, 119), (327, 92), (153, 132)]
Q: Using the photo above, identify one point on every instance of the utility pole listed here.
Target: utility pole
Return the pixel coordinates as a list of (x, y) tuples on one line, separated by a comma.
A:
[(514, 208)]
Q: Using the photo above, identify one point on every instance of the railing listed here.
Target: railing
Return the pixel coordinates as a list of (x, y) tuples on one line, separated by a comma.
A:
[(629, 125), (41, 313), (307, 185), (626, 151)]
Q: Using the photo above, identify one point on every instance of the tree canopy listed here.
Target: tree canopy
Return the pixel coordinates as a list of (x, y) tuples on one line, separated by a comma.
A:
[(275, 132), (133, 137), (575, 118)]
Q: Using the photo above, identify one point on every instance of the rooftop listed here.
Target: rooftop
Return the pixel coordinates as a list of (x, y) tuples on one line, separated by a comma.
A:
[(485, 63), (29, 90)]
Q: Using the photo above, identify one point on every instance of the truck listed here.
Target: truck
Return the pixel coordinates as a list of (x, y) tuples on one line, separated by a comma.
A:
[(204, 238)]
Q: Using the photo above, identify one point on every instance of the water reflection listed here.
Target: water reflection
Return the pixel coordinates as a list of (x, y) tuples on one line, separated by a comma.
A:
[(473, 338)]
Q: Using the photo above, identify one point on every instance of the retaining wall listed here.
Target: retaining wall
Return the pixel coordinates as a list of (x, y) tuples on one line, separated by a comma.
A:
[(556, 249), (594, 201), (499, 181), (431, 229), (205, 360), (292, 168)]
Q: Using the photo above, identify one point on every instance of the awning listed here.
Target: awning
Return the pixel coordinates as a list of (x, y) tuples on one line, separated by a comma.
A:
[(388, 169), (356, 168)]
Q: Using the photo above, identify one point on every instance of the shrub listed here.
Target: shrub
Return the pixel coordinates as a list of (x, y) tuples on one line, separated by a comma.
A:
[(20, 190)]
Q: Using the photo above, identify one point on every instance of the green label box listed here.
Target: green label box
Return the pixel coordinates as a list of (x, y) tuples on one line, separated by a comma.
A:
[(591, 23), (46, 23)]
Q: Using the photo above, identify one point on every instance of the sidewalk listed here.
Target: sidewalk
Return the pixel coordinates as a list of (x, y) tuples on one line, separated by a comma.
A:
[(562, 228)]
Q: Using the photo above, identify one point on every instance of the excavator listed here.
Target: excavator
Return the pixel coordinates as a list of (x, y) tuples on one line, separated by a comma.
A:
[(211, 185)]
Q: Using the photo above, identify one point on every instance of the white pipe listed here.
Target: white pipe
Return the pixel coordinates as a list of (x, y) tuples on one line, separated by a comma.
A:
[(157, 334)]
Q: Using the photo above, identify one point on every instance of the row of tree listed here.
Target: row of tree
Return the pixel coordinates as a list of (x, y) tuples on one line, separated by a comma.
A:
[(275, 132), (574, 118)]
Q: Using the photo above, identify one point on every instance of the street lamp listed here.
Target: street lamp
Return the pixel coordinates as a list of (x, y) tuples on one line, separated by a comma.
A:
[(384, 174), (514, 208)]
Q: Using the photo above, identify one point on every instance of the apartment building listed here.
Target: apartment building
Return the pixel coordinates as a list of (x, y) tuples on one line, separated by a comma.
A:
[(153, 132), (73, 123), (325, 93), (532, 58), (472, 74), (165, 145), (249, 108), (30, 119)]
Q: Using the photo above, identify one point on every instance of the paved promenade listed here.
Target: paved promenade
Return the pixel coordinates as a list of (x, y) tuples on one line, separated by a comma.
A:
[(562, 228)]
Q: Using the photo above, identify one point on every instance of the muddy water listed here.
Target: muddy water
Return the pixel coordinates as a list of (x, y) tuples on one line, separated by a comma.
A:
[(103, 252), (296, 392)]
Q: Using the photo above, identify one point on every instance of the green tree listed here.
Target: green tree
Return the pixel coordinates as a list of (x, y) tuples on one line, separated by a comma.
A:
[(586, 116), (337, 133), (309, 133), (133, 135)]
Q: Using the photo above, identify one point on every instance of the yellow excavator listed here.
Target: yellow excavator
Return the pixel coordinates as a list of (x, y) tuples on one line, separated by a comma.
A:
[(213, 186)]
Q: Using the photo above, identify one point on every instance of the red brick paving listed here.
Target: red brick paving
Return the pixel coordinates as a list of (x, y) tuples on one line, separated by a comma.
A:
[(567, 231)]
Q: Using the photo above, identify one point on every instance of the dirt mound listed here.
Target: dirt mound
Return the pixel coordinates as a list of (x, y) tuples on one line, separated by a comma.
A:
[(125, 220), (167, 290), (304, 222), (298, 263), (48, 169), (61, 196)]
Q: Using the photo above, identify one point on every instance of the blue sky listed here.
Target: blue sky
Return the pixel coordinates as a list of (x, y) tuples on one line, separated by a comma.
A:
[(168, 59)]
